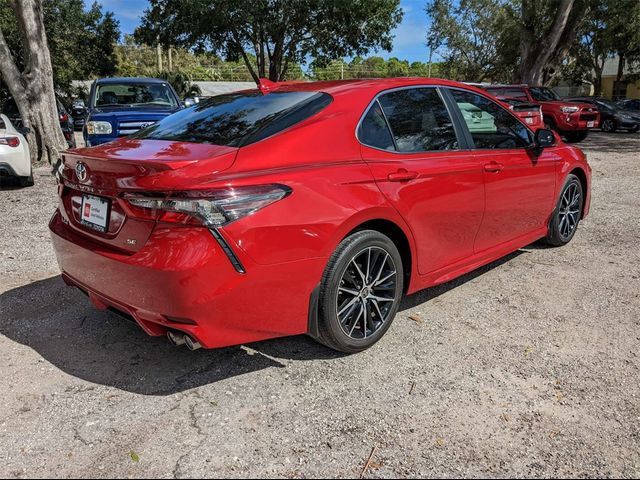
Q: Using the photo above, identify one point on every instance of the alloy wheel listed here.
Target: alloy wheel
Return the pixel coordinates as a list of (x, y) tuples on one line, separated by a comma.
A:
[(607, 126), (366, 292), (569, 213)]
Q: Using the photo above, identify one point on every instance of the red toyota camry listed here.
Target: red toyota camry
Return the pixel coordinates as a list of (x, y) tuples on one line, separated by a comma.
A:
[(308, 208)]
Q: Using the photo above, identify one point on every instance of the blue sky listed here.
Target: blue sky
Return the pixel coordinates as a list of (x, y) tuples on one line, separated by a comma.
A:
[(409, 43)]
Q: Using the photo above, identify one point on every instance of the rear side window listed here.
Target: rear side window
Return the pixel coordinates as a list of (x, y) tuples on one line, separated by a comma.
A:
[(419, 120), (237, 119), (374, 130), (490, 125)]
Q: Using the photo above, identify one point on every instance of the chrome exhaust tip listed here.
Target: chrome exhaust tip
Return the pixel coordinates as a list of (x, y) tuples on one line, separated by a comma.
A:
[(176, 339), (191, 343)]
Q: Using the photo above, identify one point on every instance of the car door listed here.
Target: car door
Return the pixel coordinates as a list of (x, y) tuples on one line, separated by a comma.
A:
[(415, 153), (519, 185)]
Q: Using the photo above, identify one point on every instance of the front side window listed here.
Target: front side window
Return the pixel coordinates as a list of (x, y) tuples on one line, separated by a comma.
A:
[(490, 125), (419, 120), (158, 95), (237, 119)]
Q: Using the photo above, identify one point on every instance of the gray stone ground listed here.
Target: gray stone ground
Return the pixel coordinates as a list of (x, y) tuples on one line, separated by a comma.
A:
[(527, 367)]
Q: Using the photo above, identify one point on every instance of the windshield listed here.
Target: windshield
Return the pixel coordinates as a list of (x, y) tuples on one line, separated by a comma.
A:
[(158, 95), (237, 119), (543, 94), (607, 104)]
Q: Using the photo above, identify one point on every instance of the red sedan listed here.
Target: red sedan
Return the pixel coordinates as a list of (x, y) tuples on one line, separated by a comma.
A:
[(308, 208)]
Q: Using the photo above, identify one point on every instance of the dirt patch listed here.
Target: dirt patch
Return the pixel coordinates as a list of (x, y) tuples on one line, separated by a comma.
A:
[(526, 367)]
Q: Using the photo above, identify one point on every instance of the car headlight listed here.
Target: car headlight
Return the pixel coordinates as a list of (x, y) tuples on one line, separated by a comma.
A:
[(624, 116), (99, 128), (569, 109)]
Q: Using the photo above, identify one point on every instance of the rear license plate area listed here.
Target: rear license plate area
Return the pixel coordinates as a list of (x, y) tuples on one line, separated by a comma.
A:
[(94, 212)]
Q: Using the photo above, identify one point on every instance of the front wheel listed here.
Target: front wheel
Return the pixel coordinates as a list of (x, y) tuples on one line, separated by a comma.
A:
[(566, 217), (575, 137), (360, 292)]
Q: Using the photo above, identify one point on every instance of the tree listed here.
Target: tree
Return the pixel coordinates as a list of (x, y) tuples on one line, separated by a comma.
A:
[(30, 81), (611, 27), (479, 38), (548, 29), (81, 42), (277, 33)]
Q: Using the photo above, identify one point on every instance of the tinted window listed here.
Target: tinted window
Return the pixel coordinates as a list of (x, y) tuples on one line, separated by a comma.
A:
[(543, 94), (516, 93), (490, 125), (419, 120), (374, 130), (237, 119)]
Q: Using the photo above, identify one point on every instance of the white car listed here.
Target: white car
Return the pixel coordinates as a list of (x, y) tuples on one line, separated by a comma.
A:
[(14, 154)]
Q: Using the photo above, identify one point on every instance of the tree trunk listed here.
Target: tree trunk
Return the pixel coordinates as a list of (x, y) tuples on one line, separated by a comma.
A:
[(32, 89), (536, 52)]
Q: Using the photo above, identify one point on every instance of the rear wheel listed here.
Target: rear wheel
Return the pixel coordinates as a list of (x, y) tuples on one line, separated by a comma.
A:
[(26, 181), (566, 217), (360, 292), (575, 137), (608, 126)]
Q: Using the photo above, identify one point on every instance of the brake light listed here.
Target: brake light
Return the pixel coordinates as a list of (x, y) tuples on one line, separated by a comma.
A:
[(212, 208), (11, 141), (64, 117)]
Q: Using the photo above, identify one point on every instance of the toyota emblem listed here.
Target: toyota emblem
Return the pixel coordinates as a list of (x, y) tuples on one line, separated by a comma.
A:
[(81, 171)]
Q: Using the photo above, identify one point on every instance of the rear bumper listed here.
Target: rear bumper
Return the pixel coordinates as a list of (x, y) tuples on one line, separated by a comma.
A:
[(183, 280)]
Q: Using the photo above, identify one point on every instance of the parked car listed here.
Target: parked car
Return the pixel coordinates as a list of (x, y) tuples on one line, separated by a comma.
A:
[(612, 116), (15, 162), (121, 106), (630, 104), (79, 112), (531, 113), (308, 208), (10, 109), (571, 120)]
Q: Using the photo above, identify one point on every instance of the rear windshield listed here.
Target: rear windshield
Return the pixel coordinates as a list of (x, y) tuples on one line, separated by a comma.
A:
[(237, 119)]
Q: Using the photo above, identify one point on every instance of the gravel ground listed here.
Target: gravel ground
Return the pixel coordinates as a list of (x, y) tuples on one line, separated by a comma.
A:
[(526, 367)]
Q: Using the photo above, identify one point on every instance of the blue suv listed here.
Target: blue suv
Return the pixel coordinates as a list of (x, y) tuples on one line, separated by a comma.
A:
[(121, 106)]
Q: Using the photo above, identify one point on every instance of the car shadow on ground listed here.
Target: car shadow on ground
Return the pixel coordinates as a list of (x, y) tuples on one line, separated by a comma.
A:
[(61, 325)]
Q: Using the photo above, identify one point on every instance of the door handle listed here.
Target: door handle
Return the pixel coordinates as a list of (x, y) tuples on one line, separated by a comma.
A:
[(402, 175), (493, 167)]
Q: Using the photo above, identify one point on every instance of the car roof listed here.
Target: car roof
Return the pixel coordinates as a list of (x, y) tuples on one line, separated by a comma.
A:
[(372, 85), (130, 80)]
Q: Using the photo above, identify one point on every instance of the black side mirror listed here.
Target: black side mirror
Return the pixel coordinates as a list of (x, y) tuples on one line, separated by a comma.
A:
[(24, 130), (544, 138)]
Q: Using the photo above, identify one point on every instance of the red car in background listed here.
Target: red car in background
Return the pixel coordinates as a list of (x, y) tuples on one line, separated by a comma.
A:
[(572, 120), (530, 113), (308, 208)]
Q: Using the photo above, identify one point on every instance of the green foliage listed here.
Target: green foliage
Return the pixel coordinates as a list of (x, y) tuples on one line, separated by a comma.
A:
[(372, 67), (479, 39), (181, 83), (81, 42), (270, 36)]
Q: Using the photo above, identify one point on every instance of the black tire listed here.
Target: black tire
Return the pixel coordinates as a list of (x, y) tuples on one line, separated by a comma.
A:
[(634, 129), (26, 181), (564, 221), (575, 137), (342, 287), (608, 126)]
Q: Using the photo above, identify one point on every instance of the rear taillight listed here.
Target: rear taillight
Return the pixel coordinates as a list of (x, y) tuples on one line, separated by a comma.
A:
[(11, 141), (64, 118), (212, 208)]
